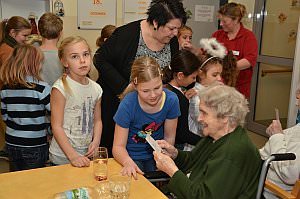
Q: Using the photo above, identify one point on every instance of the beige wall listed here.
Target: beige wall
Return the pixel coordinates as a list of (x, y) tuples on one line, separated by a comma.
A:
[(70, 22)]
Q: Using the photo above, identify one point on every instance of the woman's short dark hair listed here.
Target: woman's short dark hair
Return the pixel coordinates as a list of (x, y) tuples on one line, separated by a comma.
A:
[(162, 11)]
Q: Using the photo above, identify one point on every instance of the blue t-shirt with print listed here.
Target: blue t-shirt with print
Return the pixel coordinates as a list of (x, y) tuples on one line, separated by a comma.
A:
[(130, 115)]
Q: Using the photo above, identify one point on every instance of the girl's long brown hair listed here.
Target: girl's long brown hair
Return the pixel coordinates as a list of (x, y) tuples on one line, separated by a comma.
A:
[(106, 32), (230, 71)]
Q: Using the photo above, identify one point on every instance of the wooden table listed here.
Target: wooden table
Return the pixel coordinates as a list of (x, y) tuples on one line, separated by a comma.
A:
[(45, 182)]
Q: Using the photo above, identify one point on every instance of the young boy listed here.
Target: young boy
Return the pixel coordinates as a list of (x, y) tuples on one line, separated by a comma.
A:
[(50, 28)]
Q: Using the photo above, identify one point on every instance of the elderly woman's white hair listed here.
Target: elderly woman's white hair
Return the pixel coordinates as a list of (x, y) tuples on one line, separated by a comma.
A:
[(226, 102)]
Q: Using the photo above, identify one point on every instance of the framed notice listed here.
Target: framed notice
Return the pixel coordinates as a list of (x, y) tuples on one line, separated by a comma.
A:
[(135, 10), (95, 14)]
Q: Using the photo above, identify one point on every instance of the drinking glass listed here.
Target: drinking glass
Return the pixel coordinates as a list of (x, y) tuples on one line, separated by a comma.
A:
[(103, 189), (119, 186), (100, 159)]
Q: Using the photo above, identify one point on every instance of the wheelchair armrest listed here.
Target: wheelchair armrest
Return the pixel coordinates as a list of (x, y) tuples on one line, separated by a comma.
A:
[(278, 191)]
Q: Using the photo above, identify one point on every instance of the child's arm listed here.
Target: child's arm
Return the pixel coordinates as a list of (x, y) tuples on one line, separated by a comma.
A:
[(170, 130), (97, 129), (57, 102), (121, 155)]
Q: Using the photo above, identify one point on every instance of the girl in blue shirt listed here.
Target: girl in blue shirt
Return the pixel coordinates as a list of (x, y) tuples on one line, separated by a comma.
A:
[(146, 108)]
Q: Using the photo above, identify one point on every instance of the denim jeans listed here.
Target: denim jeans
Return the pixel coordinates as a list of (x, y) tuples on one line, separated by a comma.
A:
[(146, 165), (22, 158)]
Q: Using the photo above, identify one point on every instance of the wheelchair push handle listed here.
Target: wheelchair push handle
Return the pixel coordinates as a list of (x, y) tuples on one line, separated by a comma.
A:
[(283, 156)]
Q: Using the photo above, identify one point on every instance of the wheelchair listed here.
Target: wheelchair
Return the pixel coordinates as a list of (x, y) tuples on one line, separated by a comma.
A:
[(159, 177)]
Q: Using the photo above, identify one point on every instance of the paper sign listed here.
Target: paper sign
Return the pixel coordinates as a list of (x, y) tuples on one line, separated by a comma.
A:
[(204, 13)]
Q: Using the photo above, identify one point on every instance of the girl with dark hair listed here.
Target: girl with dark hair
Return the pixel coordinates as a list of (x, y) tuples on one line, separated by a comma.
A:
[(212, 68), (182, 72)]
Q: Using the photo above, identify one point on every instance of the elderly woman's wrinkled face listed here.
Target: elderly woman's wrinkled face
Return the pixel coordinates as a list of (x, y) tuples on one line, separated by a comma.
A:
[(168, 31), (212, 125)]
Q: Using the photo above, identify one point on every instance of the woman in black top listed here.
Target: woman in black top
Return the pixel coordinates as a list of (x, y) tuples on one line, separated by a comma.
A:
[(154, 37)]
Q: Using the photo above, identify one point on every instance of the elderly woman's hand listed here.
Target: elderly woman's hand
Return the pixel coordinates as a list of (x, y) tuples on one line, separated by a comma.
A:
[(168, 149), (165, 163), (274, 128)]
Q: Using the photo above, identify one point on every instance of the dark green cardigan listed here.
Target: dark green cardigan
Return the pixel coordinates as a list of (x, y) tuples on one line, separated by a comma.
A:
[(228, 168)]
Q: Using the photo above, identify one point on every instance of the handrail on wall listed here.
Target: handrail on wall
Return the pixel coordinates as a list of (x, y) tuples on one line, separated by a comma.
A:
[(265, 72)]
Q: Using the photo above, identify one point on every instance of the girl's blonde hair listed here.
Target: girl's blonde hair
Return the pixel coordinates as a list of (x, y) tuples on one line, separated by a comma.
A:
[(143, 70), (62, 52), (24, 61)]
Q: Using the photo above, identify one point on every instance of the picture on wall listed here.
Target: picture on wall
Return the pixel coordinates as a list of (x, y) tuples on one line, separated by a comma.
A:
[(96, 14)]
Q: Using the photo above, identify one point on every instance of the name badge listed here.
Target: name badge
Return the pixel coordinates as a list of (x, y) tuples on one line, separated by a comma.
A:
[(236, 53)]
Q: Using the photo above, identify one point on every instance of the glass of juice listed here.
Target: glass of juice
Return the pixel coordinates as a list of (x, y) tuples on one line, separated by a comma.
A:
[(100, 159)]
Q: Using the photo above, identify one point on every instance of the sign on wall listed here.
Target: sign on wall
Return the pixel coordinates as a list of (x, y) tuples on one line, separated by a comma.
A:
[(203, 18), (9, 8), (135, 10), (95, 14)]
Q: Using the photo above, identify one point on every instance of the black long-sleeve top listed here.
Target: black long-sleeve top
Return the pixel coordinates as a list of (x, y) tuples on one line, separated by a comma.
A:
[(183, 134)]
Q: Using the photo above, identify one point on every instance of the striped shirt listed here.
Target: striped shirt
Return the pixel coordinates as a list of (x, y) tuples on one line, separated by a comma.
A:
[(24, 112)]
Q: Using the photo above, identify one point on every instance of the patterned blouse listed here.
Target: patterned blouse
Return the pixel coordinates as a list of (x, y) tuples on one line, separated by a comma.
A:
[(163, 57)]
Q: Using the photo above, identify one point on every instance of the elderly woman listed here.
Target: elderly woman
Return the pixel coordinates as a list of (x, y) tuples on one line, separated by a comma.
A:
[(224, 164), (154, 37)]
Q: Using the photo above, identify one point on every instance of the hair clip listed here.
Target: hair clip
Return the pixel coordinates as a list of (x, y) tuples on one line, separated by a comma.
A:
[(135, 81), (203, 64)]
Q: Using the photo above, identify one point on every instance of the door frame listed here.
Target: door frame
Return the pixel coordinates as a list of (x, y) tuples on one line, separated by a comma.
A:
[(258, 19)]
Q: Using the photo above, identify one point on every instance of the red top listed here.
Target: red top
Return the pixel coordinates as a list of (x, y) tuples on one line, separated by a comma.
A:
[(244, 45)]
